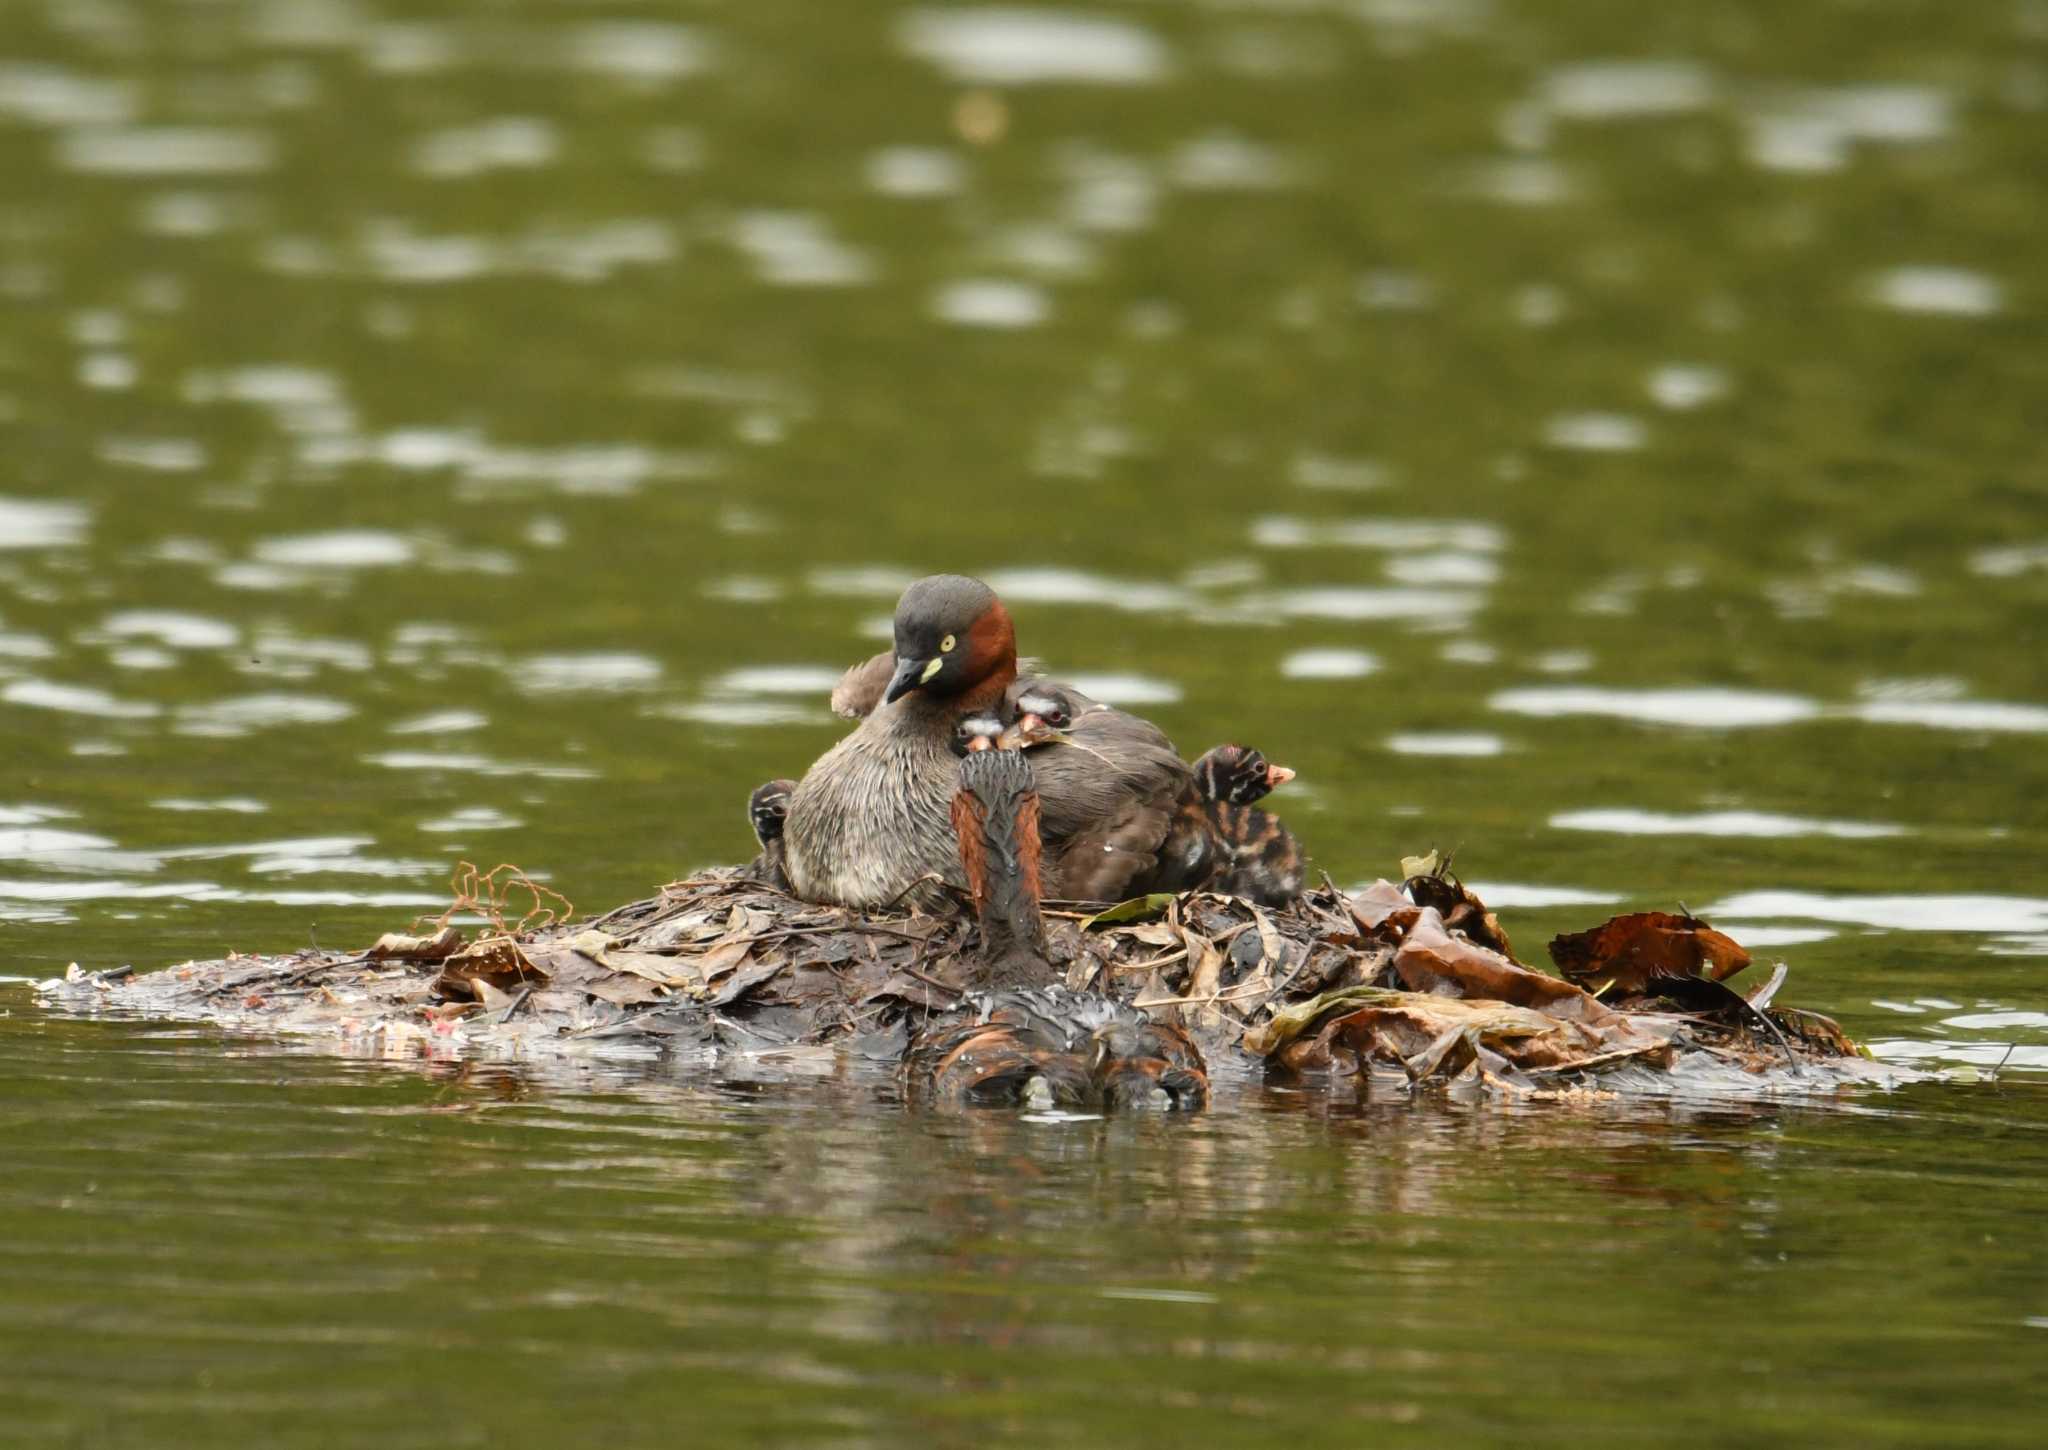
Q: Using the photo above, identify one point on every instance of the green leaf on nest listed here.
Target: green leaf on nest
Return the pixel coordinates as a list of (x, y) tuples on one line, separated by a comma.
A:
[(1138, 908)]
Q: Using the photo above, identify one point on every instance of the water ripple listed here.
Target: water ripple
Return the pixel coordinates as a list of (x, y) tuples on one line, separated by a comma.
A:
[(1013, 47)]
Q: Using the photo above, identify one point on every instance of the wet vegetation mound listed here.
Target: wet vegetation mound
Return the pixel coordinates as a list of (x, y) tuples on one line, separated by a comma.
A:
[(1397, 984)]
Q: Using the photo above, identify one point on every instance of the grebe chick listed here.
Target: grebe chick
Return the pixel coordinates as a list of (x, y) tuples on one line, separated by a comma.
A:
[(1238, 774), (768, 813)]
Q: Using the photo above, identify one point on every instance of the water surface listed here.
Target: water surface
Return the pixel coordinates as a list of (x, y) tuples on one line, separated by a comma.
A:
[(1599, 442)]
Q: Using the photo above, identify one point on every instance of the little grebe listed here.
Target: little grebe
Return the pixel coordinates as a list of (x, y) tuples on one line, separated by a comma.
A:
[(872, 816)]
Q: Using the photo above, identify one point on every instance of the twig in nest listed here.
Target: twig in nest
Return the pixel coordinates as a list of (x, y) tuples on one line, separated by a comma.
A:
[(519, 1000), (1162, 961), (930, 878), (1229, 994), (946, 987)]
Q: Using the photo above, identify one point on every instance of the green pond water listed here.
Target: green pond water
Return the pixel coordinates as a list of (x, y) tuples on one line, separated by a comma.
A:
[(1606, 439)]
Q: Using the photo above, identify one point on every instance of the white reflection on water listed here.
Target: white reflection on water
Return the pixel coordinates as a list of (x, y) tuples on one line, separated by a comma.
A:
[(245, 714), (34, 897), (503, 143), (49, 95), (814, 680), (1519, 181), (439, 722), (1340, 602), (76, 700), (338, 549), (797, 249), (1053, 585), (171, 628), (165, 151), (991, 302), (1505, 896), (1443, 567), (648, 51), (1125, 690), (1617, 90), (1977, 1054), (1336, 474), (1704, 707), (1287, 531), (2009, 561), (234, 805), (1816, 130), (1944, 291), (1990, 716), (28, 815), (472, 818), (1004, 46), (1759, 938), (42, 523), (1107, 192), (1596, 432), (593, 672), (18, 646), (915, 172), (158, 455), (1684, 386), (1222, 161), (1465, 743), (1328, 664), (1388, 289), (475, 764), (739, 713), (1628, 822), (593, 252), (1960, 913), (860, 580), (28, 843)]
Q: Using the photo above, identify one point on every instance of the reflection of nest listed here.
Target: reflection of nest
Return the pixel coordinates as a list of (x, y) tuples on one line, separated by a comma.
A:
[(1368, 983)]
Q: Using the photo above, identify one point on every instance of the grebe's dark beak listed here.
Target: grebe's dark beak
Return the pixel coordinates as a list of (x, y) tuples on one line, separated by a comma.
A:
[(909, 675)]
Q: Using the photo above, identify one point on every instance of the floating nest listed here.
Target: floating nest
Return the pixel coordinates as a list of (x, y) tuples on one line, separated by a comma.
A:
[(1397, 984)]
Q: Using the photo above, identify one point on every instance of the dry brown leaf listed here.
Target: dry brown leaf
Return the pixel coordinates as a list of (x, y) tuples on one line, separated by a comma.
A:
[(1430, 959), (396, 946), (1205, 977), (1630, 950), (497, 960)]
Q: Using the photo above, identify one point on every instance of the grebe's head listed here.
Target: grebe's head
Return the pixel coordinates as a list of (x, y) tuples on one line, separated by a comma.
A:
[(977, 732), (768, 809), (1042, 704), (952, 634), (1238, 774)]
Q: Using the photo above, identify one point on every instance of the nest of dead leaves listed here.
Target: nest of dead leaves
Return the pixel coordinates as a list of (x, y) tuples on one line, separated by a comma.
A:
[(1417, 981)]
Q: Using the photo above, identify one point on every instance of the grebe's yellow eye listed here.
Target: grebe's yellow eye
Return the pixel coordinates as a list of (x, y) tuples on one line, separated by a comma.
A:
[(946, 644)]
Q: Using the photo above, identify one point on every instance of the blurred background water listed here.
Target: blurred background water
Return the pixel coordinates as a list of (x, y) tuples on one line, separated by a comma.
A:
[(1603, 439)]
